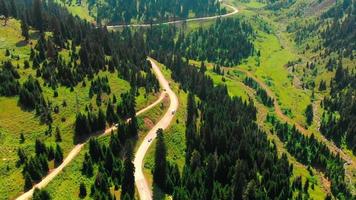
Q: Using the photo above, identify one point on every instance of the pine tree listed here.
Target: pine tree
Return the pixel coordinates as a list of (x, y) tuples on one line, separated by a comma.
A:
[(82, 126), (38, 16), (109, 161), (160, 171), (128, 182), (87, 168), (28, 181), (82, 190), (22, 156), (4, 10), (22, 138), (309, 114), (13, 9), (41, 194), (40, 147), (58, 155), (101, 120), (58, 135)]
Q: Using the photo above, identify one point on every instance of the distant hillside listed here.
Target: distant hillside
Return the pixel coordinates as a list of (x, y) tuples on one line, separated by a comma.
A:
[(146, 11)]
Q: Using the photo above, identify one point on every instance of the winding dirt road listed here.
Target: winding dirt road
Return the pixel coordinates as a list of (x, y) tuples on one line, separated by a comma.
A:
[(75, 151), (235, 11), (141, 183)]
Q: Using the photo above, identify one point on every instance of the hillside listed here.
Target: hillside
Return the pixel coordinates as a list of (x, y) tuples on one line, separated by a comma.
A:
[(258, 103)]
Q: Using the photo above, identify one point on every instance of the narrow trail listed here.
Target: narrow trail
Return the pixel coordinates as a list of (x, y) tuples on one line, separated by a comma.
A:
[(350, 163), (235, 11), (75, 151), (143, 188)]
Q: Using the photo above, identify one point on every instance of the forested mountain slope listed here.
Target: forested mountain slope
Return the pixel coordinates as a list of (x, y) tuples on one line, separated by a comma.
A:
[(63, 79), (332, 35), (58, 76)]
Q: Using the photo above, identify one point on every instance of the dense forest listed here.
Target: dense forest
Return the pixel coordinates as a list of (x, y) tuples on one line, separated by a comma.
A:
[(226, 43), (260, 92), (152, 11)]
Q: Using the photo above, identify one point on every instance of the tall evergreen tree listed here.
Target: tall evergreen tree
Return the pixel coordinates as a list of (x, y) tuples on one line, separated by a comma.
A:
[(28, 182), (309, 113), (4, 11), (38, 15), (41, 194), (58, 155), (128, 182), (160, 169), (13, 8), (82, 190)]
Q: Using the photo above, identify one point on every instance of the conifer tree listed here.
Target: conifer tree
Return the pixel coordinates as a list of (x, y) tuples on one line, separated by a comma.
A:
[(160, 169), (28, 182), (58, 155), (128, 182), (58, 135), (82, 190)]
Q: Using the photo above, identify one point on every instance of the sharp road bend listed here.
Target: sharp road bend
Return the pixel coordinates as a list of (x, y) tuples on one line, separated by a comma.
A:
[(143, 188), (75, 151), (234, 11)]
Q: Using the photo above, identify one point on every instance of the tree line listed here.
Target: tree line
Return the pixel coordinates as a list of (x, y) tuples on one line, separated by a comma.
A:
[(260, 92), (152, 11), (225, 43)]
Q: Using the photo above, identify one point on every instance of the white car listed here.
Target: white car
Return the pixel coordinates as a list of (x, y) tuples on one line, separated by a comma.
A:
[(149, 140), (116, 125)]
